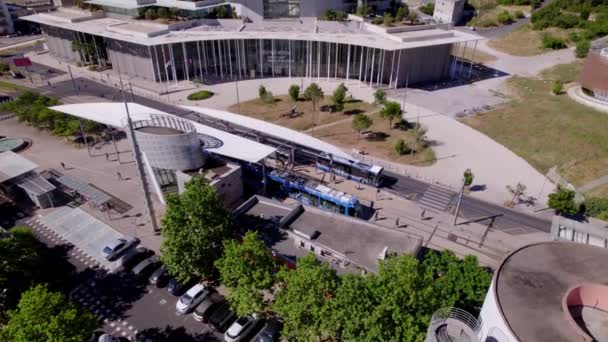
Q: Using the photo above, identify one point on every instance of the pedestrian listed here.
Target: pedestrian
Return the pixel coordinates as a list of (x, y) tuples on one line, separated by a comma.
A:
[(62, 165), (371, 205), (119, 175), (376, 216), (422, 213), (397, 222), (49, 83), (107, 156)]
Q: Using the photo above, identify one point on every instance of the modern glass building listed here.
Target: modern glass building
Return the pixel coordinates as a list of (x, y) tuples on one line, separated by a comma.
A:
[(212, 51)]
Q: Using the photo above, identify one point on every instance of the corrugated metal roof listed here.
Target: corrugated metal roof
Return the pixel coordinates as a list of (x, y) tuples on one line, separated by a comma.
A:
[(35, 184), (85, 189)]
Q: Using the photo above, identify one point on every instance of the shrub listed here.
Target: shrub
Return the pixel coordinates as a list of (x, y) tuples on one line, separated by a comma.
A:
[(574, 37), (338, 98), (562, 201), (552, 42), (585, 13), (401, 147), (427, 9), (488, 22), (558, 87), (595, 206), (262, 92), (163, 13), (294, 92), (519, 14), (313, 90), (379, 97), (268, 97), (504, 18), (377, 20), (582, 48), (402, 12), (388, 19), (4, 67), (150, 14), (200, 95)]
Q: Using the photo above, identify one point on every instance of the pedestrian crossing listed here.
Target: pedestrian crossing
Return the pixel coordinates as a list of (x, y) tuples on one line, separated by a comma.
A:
[(437, 197)]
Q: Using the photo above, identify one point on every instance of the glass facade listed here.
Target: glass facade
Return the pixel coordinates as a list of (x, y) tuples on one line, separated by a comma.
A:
[(281, 9), (224, 60)]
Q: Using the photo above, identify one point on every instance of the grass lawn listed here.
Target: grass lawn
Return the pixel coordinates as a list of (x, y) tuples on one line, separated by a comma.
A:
[(549, 130), (480, 56), (601, 191), (278, 112), (12, 88), (380, 142), (527, 42)]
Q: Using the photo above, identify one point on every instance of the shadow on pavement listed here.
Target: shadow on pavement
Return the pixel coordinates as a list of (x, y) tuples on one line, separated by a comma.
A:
[(171, 334)]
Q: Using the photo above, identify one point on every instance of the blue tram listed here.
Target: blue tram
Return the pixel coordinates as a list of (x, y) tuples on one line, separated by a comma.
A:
[(352, 170)]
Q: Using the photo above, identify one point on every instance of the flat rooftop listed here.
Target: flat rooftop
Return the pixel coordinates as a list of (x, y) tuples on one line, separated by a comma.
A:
[(350, 32), (531, 283), (13, 165), (361, 242)]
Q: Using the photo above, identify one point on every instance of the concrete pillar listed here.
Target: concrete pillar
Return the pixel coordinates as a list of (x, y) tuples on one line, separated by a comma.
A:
[(186, 67), (328, 59), (348, 63), (398, 67), (371, 76)]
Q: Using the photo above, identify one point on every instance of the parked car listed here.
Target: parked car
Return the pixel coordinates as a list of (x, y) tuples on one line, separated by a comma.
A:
[(176, 288), (115, 248), (270, 332), (191, 298), (108, 338), (159, 276), (242, 328), (207, 307), (133, 256), (222, 317), (146, 266)]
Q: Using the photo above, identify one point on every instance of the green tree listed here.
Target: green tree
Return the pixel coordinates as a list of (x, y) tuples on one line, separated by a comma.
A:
[(558, 87), (504, 18), (428, 9), (294, 92), (150, 14), (468, 177), (360, 123), (391, 111), (379, 97), (402, 12), (305, 300), (401, 147), (562, 201), (517, 192), (364, 10), (313, 93), (413, 17), (339, 97), (582, 48), (388, 19), (248, 270), (163, 13), (419, 135), (42, 316), (194, 226), (354, 302), (262, 92)]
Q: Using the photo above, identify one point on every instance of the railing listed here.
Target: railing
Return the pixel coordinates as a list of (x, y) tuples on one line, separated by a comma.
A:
[(441, 319)]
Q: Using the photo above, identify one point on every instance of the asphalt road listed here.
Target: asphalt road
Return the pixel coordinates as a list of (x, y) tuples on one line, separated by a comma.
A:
[(475, 209), (471, 208)]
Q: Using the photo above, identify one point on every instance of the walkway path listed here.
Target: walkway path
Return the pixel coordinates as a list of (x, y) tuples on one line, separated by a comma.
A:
[(594, 184)]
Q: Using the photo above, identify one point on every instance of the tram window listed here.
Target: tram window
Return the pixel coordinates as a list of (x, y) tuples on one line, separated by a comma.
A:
[(351, 212), (323, 161), (359, 173), (314, 201), (342, 209)]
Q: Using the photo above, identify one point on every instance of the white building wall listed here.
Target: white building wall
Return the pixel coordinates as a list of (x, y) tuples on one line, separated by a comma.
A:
[(493, 326)]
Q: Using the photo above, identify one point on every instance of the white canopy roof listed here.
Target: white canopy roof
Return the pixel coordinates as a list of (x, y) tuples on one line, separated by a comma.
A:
[(114, 114), (272, 130)]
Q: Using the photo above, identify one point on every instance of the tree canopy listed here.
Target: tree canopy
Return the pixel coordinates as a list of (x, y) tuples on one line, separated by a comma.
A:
[(562, 201), (247, 269), (305, 299), (391, 111), (194, 226), (24, 262), (45, 316)]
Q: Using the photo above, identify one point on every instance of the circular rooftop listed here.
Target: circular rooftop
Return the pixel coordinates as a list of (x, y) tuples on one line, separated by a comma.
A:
[(534, 283), (12, 144)]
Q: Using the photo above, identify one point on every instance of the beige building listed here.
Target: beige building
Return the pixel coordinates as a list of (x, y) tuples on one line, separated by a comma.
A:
[(449, 11)]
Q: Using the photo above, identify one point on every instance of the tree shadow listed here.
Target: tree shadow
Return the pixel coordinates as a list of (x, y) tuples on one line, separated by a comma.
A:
[(353, 112), (353, 101), (119, 291), (377, 136), (403, 125), (478, 188), (173, 334)]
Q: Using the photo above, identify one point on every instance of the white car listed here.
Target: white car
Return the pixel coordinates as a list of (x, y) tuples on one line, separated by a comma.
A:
[(193, 297), (242, 328), (108, 338), (113, 249)]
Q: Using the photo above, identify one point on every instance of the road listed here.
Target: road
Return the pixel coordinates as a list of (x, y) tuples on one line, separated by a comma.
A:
[(471, 208)]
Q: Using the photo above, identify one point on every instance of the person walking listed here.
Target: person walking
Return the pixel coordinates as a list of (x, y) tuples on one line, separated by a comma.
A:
[(376, 216), (107, 156), (119, 175), (422, 213), (62, 165), (397, 223)]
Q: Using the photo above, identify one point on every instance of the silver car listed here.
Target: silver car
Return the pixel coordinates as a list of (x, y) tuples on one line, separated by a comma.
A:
[(146, 265), (115, 248)]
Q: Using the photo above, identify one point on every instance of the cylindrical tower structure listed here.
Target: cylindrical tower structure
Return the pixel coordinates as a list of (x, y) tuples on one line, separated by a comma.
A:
[(170, 143)]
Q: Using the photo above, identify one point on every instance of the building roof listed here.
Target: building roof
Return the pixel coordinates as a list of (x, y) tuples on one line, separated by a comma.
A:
[(35, 184), (271, 129), (13, 165), (359, 241), (349, 32), (532, 282), (114, 114), (85, 189)]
